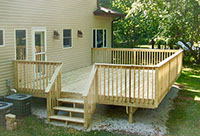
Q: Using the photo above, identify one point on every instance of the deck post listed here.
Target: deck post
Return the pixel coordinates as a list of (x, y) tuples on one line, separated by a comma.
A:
[(131, 111), (16, 74)]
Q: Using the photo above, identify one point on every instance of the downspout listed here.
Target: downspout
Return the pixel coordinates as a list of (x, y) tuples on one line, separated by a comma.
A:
[(97, 3)]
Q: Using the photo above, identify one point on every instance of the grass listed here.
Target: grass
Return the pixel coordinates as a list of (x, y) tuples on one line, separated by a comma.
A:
[(32, 126), (184, 118)]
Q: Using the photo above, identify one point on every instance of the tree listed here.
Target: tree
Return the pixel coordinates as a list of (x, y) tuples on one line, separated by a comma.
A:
[(148, 20)]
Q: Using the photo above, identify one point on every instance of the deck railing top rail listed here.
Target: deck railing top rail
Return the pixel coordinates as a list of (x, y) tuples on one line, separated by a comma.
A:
[(41, 62), (136, 49)]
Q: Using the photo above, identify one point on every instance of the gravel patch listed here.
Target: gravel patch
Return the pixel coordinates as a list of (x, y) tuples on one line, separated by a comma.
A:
[(114, 118)]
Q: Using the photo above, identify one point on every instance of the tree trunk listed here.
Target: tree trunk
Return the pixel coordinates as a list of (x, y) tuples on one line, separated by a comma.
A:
[(153, 43), (158, 46)]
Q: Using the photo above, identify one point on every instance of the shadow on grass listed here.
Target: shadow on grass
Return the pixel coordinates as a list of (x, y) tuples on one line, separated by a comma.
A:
[(184, 118), (190, 78)]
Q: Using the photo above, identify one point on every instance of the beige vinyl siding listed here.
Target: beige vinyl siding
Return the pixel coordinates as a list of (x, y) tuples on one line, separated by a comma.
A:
[(53, 15), (6, 57)]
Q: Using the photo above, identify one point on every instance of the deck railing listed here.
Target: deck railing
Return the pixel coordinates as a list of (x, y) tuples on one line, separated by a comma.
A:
[(32, 77), (130, 56), (130, 84), (167, 73), (126, 84)]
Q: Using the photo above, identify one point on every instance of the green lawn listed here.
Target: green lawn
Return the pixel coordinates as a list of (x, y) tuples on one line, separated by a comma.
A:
[(184, 119), (32, 126)]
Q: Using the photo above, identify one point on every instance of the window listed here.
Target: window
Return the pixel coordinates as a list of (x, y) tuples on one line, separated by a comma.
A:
[(20, 38), (1, 37), (67, 38), (99, 38)]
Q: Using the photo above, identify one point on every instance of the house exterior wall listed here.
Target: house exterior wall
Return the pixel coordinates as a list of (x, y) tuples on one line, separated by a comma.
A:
[(51, 15)]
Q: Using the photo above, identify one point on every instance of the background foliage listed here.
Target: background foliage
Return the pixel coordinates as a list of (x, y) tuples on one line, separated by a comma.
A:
[(164, 21)]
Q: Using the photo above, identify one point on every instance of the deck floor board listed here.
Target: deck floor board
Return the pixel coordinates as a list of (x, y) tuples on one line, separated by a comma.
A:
[(76, 81)]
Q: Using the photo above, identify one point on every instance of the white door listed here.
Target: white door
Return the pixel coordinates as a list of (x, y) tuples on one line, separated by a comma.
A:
[(39, 44)]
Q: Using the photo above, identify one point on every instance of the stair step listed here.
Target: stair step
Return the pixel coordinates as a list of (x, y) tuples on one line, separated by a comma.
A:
[(69, 109), (71, 100), (67, 118)]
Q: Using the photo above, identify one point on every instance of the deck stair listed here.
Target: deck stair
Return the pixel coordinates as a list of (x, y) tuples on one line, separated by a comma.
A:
[(73, 106)]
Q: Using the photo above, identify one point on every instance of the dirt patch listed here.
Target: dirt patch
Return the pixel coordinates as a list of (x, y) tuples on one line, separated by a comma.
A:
[(185, 98)]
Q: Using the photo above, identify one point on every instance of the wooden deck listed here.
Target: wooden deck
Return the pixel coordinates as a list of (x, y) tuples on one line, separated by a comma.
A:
[(75, 82), (135, 78)]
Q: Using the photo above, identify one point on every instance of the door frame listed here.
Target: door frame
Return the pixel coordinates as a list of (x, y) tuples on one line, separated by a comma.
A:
[(39, 29)]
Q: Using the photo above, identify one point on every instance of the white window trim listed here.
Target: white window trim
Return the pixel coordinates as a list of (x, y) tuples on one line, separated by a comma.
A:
[(71, 38), (103, 37), (26, 41), (3, 38), (36, 29)]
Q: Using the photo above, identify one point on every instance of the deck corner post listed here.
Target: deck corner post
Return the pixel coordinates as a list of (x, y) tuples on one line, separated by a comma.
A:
[(16, 74)]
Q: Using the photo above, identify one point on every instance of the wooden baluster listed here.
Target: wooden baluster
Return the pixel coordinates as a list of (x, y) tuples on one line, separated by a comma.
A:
[(134, 57), (27, 76), (40, 68), (109, 82), (31, 74), (112, 84), (117, 83), (139, 85), (21, 78), (104, 81), (50, 71), (152, 57), (121, 85), (24, 75), (37, 82), (43, 71), (143, 88), (148, 85), (142, 58), (100, 91), (106, 56), (125, 85), (157, 58), (17, 75), (147, 58), (130, 84), (117, 57), (134, 98), (47, 74), (122, 57), (152, 86)]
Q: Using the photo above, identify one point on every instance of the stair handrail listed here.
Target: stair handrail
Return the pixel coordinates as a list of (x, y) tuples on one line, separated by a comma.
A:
[(90, 97), (53, 78), (91, 78), (53, 90)]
